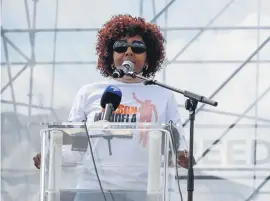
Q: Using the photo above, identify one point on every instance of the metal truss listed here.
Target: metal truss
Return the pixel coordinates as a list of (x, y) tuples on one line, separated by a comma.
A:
[(257, 190), (171, 62), (233, 125), (31, 62), (182, 28)]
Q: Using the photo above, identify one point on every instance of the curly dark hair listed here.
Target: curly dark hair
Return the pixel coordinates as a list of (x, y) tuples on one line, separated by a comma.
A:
[(125, 25)]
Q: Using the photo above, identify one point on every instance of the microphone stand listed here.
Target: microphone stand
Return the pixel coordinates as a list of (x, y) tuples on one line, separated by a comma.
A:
[(190, 105), (106, 116)]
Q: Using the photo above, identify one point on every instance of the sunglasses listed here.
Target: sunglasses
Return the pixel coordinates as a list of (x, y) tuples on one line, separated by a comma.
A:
[(121, 46)]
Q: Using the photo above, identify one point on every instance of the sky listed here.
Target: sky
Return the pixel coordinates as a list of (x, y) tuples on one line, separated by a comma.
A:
[(203, 79)]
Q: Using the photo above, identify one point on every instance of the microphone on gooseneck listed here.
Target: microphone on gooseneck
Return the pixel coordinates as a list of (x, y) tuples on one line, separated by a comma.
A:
[(110, 100), (126, 67)]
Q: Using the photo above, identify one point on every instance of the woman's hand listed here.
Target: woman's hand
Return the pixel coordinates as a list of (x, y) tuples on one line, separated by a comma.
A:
[(36, 160), (183, 159)]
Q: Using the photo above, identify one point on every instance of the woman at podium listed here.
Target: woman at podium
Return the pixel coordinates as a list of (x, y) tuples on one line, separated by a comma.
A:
[(121, 40)]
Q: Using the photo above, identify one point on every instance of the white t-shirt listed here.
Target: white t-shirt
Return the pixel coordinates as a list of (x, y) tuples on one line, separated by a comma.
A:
[(126, 168)]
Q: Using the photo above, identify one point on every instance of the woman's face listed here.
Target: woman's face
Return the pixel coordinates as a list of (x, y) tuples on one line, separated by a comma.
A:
[(130, 49)]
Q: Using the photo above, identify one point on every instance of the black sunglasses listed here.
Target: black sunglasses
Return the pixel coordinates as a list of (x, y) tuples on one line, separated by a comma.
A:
[(121, 46)]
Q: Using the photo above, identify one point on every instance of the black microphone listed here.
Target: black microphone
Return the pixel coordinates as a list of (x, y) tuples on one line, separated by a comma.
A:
[(110, 101), (123, 69)]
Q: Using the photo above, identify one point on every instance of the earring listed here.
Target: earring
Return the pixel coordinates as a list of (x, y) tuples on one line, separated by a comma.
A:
[(113, 66), (145, 67)]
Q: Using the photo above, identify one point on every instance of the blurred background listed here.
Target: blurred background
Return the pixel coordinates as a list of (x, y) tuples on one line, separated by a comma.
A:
[(216, 48)]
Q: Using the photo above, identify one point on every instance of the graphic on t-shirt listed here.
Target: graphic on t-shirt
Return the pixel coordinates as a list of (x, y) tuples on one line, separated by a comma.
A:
[(146, 110), (123, 113), (126, 113)]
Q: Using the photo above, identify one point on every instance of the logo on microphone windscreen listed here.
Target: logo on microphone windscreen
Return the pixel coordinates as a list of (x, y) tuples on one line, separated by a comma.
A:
[(113, 95)]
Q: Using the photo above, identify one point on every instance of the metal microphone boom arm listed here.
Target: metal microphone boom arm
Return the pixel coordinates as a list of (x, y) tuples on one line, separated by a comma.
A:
[(190, 105)]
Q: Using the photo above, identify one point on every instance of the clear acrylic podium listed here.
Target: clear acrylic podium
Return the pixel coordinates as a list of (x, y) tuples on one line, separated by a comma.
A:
[(131, 161)]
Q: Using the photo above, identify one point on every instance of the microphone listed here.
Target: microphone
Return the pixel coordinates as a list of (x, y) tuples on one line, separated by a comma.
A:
[(110, 101), (123, 69)]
